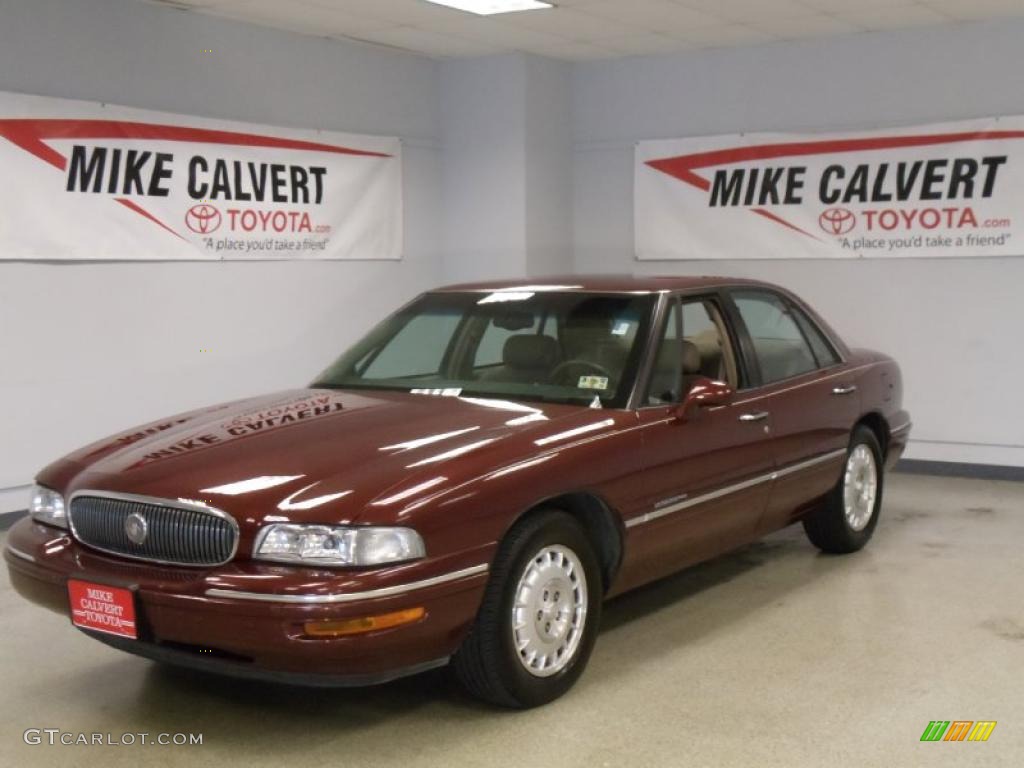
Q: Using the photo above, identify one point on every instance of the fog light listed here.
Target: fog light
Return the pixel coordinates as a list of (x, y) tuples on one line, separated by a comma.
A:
[(344, 627)]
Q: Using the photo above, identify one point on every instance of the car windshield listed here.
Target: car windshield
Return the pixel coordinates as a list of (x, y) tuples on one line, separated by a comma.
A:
[(532, 344)]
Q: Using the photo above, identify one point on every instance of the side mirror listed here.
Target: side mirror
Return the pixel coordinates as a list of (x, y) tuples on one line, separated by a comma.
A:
[(703, 393)]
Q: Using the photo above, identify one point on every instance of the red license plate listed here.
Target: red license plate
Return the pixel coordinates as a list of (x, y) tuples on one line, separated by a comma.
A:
[(102, 608)]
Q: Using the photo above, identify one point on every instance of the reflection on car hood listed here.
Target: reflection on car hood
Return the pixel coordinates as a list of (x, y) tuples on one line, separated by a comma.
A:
[(320, 454)]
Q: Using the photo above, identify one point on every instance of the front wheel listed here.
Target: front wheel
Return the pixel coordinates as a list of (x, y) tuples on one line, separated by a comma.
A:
[(848, 518), (538, 620)]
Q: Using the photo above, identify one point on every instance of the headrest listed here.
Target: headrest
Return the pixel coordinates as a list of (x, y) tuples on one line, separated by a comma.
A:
[(691, 357), (668, 360), (530, 351)]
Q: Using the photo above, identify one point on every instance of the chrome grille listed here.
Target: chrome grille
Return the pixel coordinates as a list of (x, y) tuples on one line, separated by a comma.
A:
[(176, 532)]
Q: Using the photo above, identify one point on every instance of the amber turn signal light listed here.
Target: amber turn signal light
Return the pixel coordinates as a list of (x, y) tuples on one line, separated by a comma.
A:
[(365, 624)]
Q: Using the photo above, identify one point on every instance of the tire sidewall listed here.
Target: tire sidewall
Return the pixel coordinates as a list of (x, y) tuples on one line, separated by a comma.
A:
[(551, 529)]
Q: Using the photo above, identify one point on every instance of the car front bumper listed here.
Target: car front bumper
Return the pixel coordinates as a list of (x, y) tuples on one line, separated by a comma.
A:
[(246, 618)]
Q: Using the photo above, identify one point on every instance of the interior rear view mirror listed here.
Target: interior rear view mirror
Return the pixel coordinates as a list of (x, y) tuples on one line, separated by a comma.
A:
[(510, 320)]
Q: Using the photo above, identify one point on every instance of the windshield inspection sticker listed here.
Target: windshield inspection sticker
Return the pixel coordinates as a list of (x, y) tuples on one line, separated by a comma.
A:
[(621, 328), (593, 382)]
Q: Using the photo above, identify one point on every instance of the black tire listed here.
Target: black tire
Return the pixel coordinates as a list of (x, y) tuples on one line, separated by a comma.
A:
[(488, 665), (827, 527)]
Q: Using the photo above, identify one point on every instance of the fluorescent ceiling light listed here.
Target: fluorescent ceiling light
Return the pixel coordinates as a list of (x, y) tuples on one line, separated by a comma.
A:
[(491, 7), (559, 436), (452, 453), (316, 501), (499, 296), (411, 491), (420, 442), (252, 484)]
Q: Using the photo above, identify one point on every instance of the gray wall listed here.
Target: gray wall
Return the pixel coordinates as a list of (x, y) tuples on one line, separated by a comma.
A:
[(507, 128), (484, 173), (511, 163), (87, 349), (954, 324), (548, 120)]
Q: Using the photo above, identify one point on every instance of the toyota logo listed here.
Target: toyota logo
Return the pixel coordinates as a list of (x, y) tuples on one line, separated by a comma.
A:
[(202, 219), (136, 528), (837, 221)]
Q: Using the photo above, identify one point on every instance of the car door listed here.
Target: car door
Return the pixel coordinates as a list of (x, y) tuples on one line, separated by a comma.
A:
[(705, 479), (803, 391)]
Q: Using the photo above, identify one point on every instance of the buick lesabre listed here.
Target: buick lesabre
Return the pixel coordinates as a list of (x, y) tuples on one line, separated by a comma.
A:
[(468, 483)]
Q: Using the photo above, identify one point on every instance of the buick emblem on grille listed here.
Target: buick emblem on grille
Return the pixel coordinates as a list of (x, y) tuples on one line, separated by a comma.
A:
[(136, 528)]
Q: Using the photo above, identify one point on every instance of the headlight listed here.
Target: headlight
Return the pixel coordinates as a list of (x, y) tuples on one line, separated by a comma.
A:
[(337, 545), (47, 506)]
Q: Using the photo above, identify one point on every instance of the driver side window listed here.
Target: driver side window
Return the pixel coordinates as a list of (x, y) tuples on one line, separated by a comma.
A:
[(667, 373), (693, 345)]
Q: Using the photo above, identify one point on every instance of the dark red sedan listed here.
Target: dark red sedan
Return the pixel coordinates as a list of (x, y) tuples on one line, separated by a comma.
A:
[(468, 483)]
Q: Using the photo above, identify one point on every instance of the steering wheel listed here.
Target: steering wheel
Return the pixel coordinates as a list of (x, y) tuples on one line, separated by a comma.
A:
[(561, 372)]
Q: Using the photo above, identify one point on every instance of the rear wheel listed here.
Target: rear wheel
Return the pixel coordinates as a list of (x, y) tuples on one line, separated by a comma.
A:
[(538, 621), (848, 518)]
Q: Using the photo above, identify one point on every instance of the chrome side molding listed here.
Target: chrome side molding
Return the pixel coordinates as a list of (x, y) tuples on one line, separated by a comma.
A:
[(349, 597), (729, 489)]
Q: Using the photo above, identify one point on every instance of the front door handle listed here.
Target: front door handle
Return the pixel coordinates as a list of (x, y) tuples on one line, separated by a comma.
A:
[(849, 389), (759, 416)]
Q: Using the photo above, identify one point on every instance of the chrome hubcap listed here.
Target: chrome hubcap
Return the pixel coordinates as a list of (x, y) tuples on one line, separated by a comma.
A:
[(860, 487), (549, 610)]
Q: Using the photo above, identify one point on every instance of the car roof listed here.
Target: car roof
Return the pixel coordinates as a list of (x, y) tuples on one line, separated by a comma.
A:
[(604, 283)]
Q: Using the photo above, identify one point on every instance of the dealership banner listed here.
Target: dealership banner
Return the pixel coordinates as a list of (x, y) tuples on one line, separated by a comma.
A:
[(91, 181), (951, 189)]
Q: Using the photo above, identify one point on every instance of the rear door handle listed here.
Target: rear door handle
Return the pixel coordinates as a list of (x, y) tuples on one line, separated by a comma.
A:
[(849, 389), (759, 416)]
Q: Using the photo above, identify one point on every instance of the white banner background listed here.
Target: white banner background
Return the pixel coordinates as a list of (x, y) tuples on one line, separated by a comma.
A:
[(952, 189), (358, 214)]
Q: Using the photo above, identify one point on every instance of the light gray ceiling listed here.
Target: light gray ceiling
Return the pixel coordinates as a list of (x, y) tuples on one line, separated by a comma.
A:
[(596, 29)]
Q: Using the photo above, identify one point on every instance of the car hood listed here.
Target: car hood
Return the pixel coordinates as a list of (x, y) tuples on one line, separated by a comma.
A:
[(321, 455)]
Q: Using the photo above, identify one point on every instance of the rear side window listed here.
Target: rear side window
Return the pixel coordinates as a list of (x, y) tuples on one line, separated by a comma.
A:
[(781, 349), (822, 348)]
